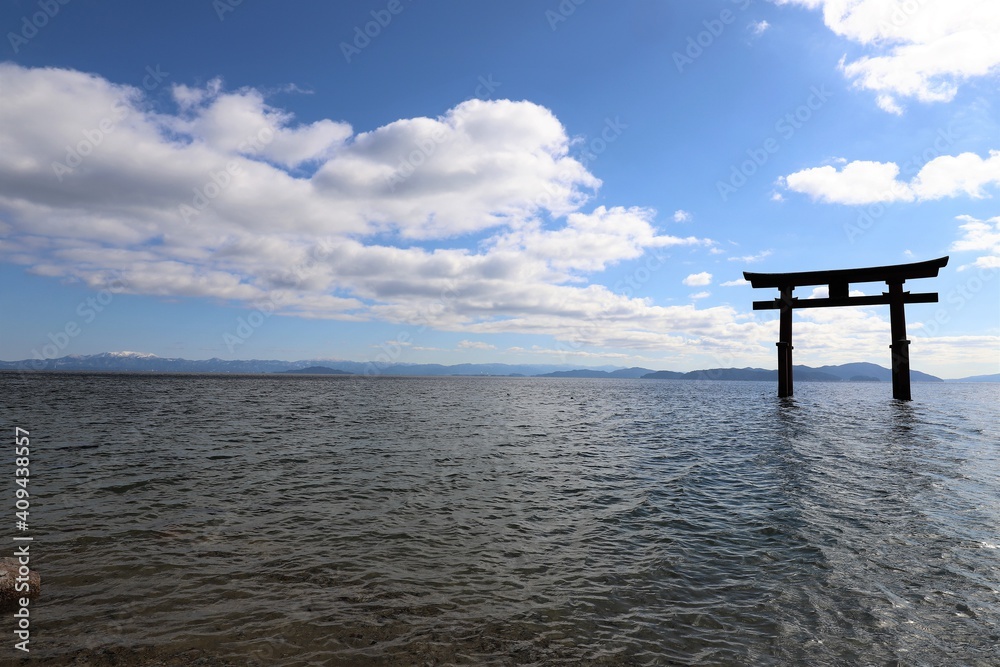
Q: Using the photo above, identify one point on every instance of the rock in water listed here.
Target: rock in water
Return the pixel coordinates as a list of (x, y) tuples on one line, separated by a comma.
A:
[(9, 595)]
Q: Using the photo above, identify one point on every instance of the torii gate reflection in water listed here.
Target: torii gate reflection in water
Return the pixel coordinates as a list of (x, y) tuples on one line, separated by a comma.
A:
[(839, 282)]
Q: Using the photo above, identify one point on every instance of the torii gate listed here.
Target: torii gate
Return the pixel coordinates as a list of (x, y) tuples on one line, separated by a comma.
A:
[(839, 282)]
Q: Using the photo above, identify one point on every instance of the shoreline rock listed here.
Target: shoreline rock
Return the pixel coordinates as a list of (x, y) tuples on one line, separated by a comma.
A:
[(9, 595)]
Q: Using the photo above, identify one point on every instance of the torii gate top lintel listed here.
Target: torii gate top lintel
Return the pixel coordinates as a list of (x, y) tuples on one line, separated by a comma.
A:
[(839, 281), (889, 274)]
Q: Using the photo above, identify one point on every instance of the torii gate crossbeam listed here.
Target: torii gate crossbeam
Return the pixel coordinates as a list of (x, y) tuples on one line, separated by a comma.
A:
[(839, 282)]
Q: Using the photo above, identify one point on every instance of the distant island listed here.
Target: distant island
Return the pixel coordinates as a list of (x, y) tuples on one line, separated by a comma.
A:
[(136, 362)]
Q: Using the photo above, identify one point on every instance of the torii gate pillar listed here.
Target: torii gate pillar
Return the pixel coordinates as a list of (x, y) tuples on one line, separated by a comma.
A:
[(900, 346), (839, 282), (785, 384)]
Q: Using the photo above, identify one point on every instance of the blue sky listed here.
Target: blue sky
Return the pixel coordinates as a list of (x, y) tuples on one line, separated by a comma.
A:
[(571, 182)]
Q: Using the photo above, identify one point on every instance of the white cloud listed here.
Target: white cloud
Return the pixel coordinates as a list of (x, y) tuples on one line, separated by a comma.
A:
[(888, 104), (591, 241), (681, 215), (735, 283), (918, 49), (858, 182), (311, 224), (823, 291), (938, 355), (475, 345), (980, 236), (701, 295), (698, 279), (863, 182), (314, 220), (951, 175), (749, 259), (758, 28), (243, 123)]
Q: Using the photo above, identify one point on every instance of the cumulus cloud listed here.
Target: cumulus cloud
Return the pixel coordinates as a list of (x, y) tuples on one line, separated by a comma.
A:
[(473, 221), (242, 122), (698, 279), (980, 236), (758, 28), (918, 49), (680, 215), (859, 182), (864, 182)]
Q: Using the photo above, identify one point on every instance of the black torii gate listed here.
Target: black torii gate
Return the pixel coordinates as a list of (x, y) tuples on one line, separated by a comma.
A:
[(840, 281)]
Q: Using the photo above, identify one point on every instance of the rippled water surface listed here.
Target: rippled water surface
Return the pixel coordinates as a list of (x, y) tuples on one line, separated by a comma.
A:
[(261, 520)]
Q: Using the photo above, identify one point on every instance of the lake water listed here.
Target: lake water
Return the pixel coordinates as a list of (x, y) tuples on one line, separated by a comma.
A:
[(264, 520)]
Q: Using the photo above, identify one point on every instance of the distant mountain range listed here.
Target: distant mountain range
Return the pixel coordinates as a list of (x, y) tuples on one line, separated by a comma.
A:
[(136, 362)]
